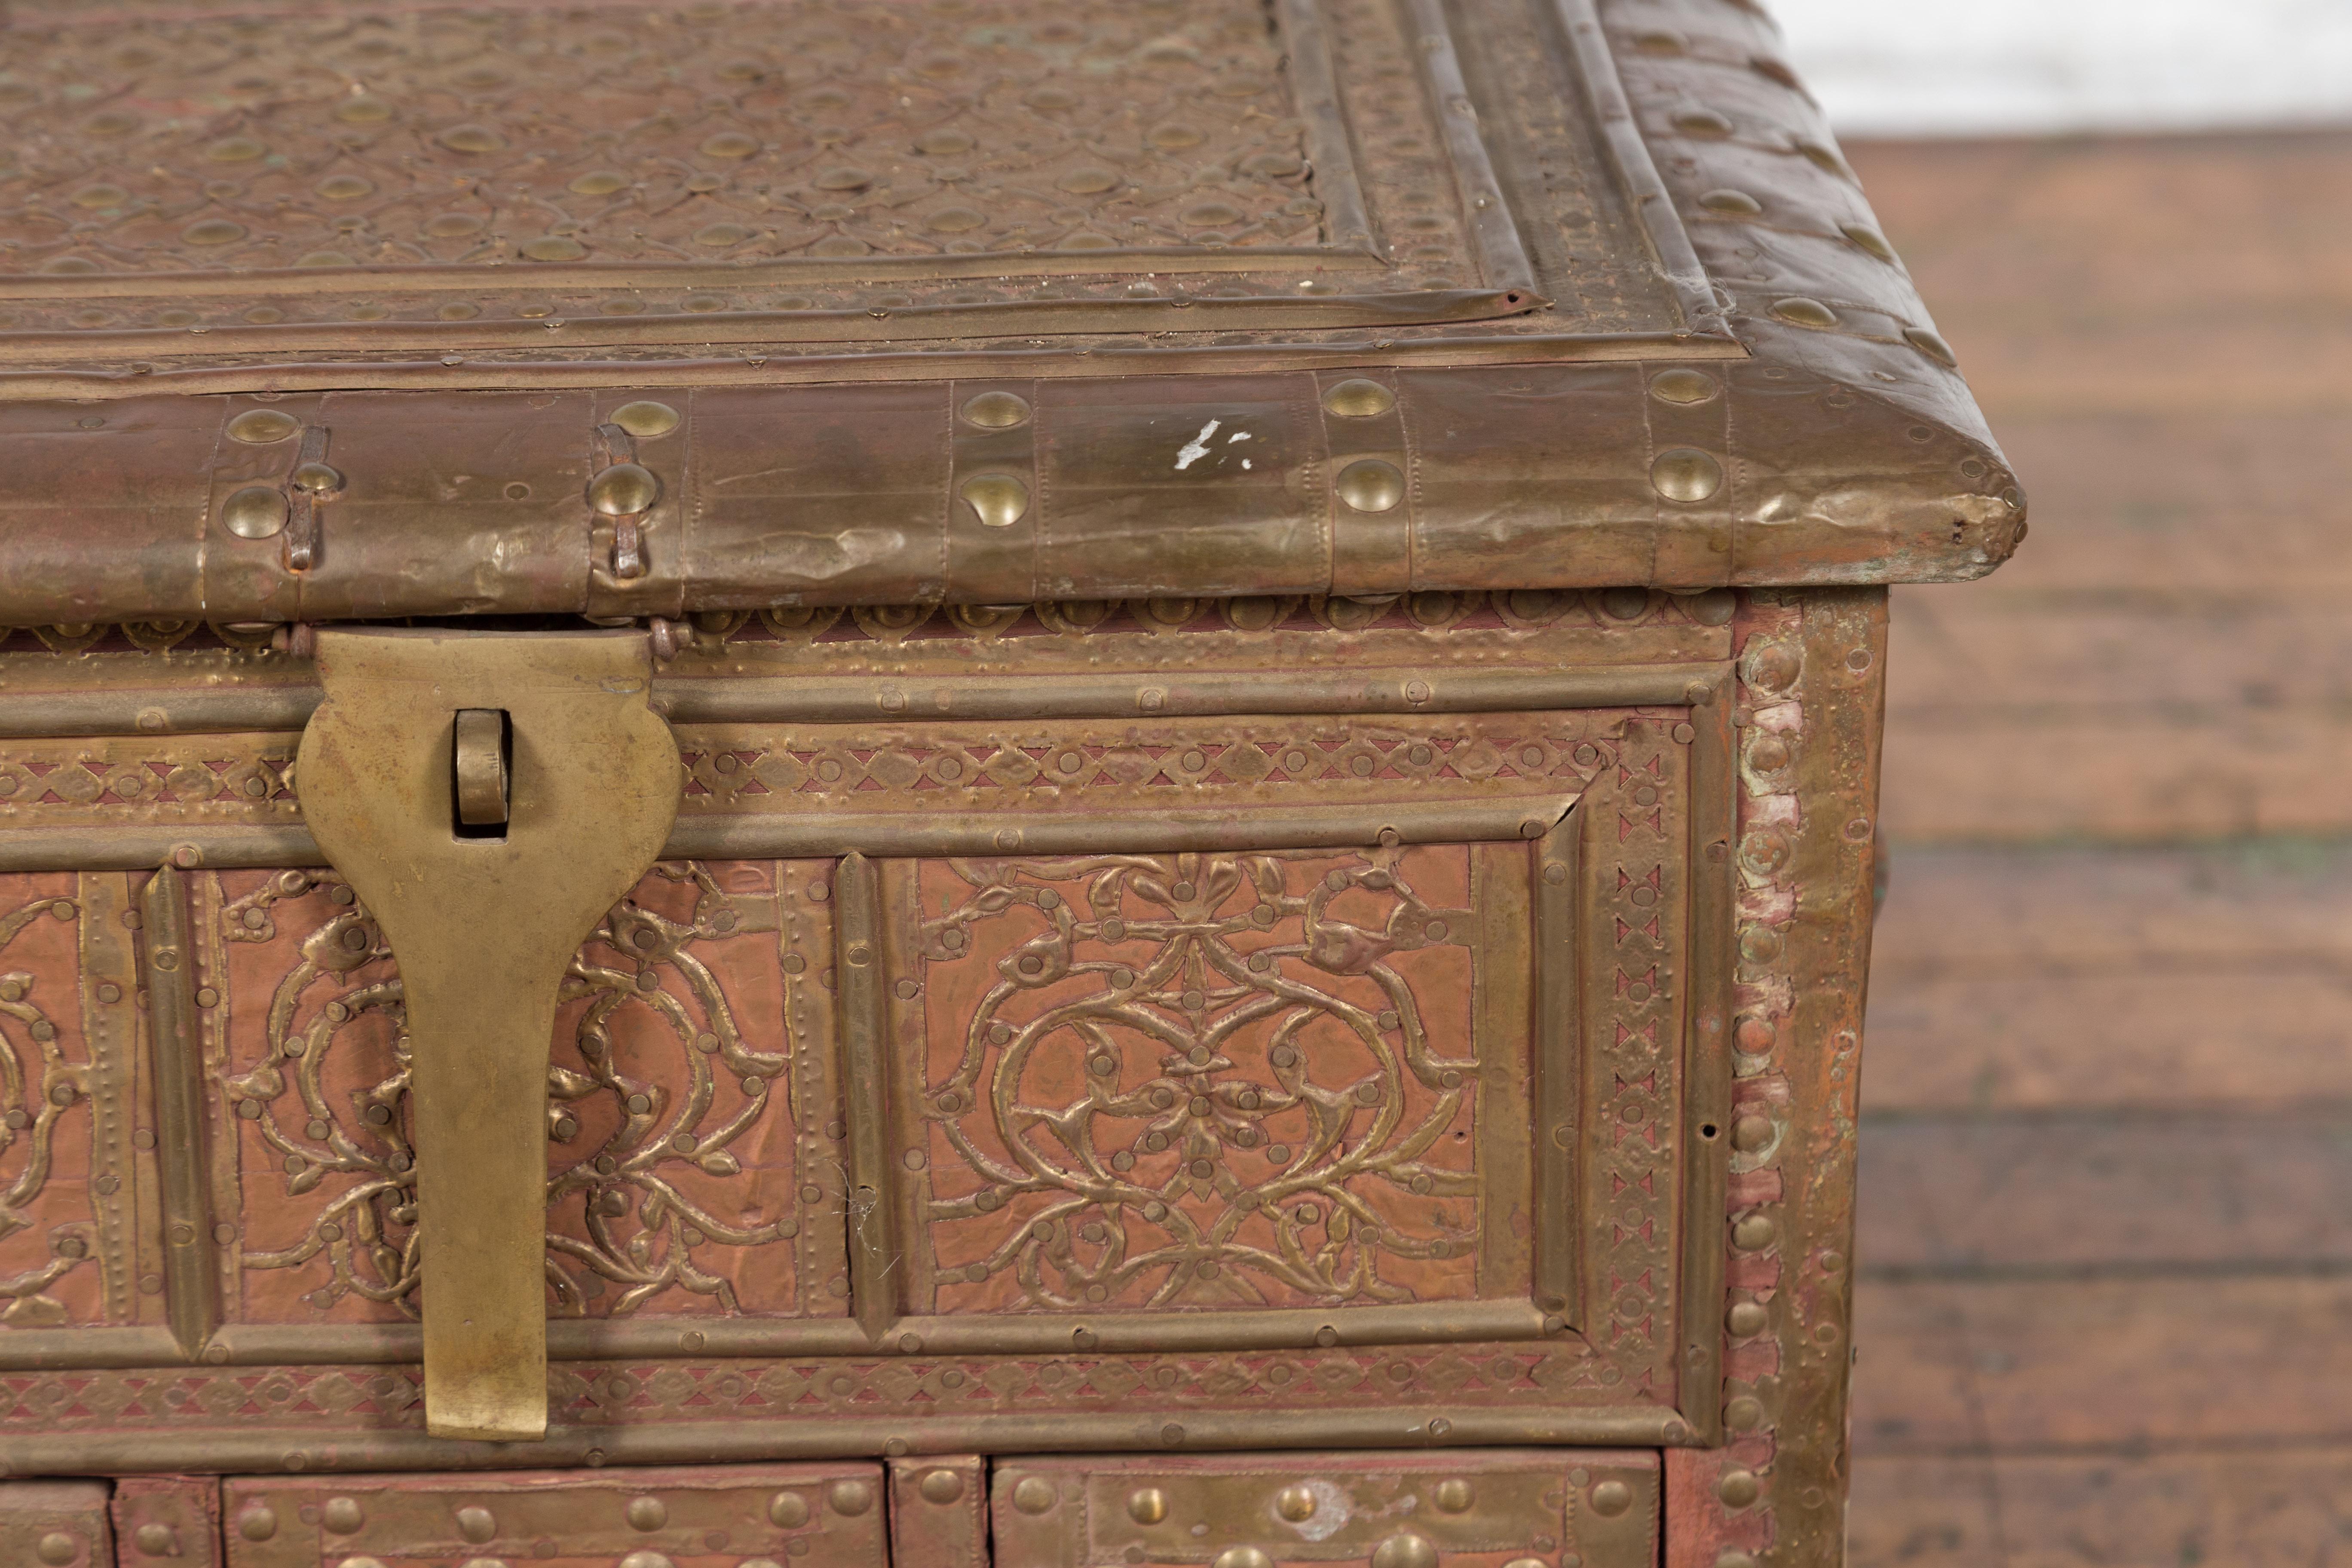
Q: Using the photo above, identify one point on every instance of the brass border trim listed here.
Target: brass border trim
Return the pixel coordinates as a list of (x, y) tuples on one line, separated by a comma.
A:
[(254, 1449), (1707, 1057), (1559, 1044), (1485, 210), (168, 963), (869, 1205), (1330, 148), (873, 699), (1652, 204)]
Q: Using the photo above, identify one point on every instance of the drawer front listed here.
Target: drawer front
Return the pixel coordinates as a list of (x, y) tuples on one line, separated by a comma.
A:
[(809, 1516), (1501, 1509)]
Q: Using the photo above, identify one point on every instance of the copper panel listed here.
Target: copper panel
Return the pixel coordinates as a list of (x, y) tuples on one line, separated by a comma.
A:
[(56, 1524), (175, 1519), (938, 1512), (1523, 1508), (814, 1516), (688, 1103)]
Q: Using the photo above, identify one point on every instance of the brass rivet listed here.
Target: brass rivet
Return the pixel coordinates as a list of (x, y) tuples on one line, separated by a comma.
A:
[(1147, 1505), (212, 231), (59, 1548), (1453, 1495), (1869, 239), (1371, 485), (1683, 385), (1754, 1233), (1686, 475), (318, 479), (1736, 203), (257, 1523), (730, 144), (788, 1511), (850, 1498), (1611, 1498), (260, 426), (472, 138), (634, 1560), (477, 1524), (1745, 1320), (625, 489), (844, 177), (256, 512), (999, 499), (941, 1485), (1744, 1414), (1032, 1494), (646, 1513), (1737, 1489), (156, 1539), (554, 247), (1933, 346), (996, 410), (1749, 1133), (1358, 399), (342, 1515), (1297, 1504), (1405, 1550), (1703, 122), (1799, 311), (1242, 1557), (647, 421)]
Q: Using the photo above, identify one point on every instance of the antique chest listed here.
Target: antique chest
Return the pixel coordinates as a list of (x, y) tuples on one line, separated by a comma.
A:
[(839, 782)]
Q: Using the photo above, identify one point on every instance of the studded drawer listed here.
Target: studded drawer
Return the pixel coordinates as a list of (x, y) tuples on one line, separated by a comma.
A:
[(766, 1516), (1504, 1507)]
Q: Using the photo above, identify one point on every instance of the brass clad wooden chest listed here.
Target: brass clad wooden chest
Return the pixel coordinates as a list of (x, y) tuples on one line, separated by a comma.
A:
[(858, 781)]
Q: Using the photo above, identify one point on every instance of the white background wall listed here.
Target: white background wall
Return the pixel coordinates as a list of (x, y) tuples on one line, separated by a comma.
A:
[(1908, 67)]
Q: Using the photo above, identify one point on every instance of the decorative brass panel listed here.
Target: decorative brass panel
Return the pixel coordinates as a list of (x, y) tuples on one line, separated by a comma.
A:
[(687, 1102), (56, 1524), (938, 1512), (814, 1516), (1529, 1508), (177, 1518)]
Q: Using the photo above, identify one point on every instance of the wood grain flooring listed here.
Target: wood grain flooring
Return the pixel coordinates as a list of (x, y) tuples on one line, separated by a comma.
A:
[(2104, 1312)]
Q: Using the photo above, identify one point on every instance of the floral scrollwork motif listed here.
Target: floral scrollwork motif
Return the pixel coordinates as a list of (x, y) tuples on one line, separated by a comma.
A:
[(37, 1085), (1202, 1079), (658, 1088)]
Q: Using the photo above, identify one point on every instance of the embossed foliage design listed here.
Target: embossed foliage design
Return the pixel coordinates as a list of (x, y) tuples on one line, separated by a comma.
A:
[(672, 1163), (711, 133), (1200, 1080), (45, 1094)]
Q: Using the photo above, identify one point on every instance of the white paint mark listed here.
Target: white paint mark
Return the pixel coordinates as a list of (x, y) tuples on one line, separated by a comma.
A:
[(1244, 462), (1195, 449), (1237, 436)]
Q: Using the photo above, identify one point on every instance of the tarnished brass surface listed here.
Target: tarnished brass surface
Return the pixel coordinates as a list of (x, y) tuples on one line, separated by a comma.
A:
[(938, 1510), (814, 1515), (56, 1524), (177, 1518), (485, 928), (1503, 1506)]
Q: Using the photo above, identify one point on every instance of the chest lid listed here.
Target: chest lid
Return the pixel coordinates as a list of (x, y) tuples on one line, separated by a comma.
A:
[(628, 311)]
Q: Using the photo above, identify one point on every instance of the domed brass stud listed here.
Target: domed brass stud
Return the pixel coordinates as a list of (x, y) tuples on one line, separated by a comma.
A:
[(850, 1499), (212, 231), (955, 220), (317, 479), (996, 410), (260, 426), (1824, 157), (365, 108), (1296, 1504), (1744, 1414), (256, 512), (999, 499), (1686, 475), (472, 138), (1611, 1498), (1754, 1233), (554, 247), (1147, 1505), (788, 1511), (634, 1560), (941, 1485), (1405, 1550), (344, 187), (235, 150), (1799, 311), (1703, 123), (1453, 1494), (1033, 1494), (730, 144), (342, 1515), (599, 183), (1371, 485), (1869, 239), (1930, 345), (1242, 1557), (57, 1549), (1358, 399), (155, 1539), (100, 195), (1736, 203), (477, 1524), (1527, 1563), (1683, 386), (647, 420), (1737, 1489), (625, 489), (1092, 181), (646, 1513), (844, 177), (1745, 1320), (259, 1524)]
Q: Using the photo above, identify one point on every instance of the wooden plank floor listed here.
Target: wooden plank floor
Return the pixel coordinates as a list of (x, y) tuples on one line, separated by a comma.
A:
[(2104, 1306)]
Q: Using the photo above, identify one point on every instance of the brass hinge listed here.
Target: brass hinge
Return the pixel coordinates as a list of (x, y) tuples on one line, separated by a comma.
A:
[(488, 797)]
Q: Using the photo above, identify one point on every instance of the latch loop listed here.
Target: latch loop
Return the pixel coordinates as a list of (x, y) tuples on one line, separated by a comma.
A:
[(624, 490)]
